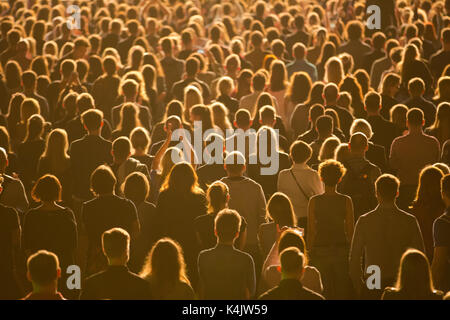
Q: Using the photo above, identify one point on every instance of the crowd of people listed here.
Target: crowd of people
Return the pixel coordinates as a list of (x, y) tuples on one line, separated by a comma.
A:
[(95, 174)]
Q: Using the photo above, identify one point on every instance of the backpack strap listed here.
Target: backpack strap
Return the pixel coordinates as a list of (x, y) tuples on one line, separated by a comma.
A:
[(299, 186)]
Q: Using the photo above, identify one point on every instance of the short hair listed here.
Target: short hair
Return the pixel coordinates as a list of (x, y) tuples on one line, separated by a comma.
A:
[(267, 113), (92, 119), (121, 147), (416, 86), (300, 152), (378, 40), (446, 35), (225, 85), (292, 260), (315, 112), (139, 138), (386, 186), (192, 66), (81, 42), (331, 172), (227, 224), (29, 78), (324, 124), (259, 81), (445, 185), (136, 187), (103, 180), (358, 142), (354, 30), (331, 92), (256, 38), (372, 101), (43, 267), (363, 126), (299, 51), (110, 65), (242, 118), (415, 117), (234, 162), (47, 188), (129, 87), (115, 242)]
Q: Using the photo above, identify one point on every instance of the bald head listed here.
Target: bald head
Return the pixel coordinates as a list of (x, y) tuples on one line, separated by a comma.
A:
[(358, 143)]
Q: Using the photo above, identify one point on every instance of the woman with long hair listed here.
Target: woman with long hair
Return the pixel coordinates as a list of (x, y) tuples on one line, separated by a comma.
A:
[(266, 99), (300, 116), (192, 97), (298, 91), (220, 117), (56, 161), (351, 85), (180, 201), (412, 66), (30, 150), (129, 119), (428, 205), (334, 71), (279, 214), (244, 86), (278, 85), (328, 51), (12, 157), (414, 280), (440, 129), (442, 91), (140, 141), (218, 196), (156, 108), (389, 89), (165, 270)]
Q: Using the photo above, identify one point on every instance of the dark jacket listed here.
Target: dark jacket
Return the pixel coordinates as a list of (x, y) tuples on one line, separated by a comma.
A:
[(290, 289)]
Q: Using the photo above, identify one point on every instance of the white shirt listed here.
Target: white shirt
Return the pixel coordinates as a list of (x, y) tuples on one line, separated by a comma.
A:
[(308, 179)]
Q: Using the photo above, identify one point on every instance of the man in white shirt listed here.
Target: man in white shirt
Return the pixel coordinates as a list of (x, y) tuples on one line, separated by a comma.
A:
[(300, 182)]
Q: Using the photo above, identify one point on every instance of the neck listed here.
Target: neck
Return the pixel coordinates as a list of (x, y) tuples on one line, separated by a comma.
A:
[(373, 113), (226, 243), (330, 189), (94, 132), (330, 103), (287, 276), (49, 205), (130, 99), (415, 129), (139, 152), (117, 262), (48, 289)]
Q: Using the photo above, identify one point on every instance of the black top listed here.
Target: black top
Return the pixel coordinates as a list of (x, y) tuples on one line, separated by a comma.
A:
[(178, 89), (28, 155), (395, 294), (86, 155), (345, 118), (428, 108), (9, 223), (384, 132), (290, 289), (101, 214), (52, 230), (209, 173), (115, 283)]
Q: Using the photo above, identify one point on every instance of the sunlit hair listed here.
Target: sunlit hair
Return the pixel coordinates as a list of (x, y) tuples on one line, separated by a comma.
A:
[(35, 128), (363, 126), (136, 187), (167, 162), (342, 153), (334, 71), (414, 275), (47, 188), (429, 189), (220, 116), (328, 148), (390, 80), (28, 108), (56, 148), (293, 238), (192, 97), (280, 211), (299, 88), (278, 76), (217, 195), (136, 76), (182, 180), (165, 266), (140, 139), (129, 118)]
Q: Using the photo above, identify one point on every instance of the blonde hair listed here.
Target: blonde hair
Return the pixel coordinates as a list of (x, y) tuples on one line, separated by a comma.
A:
[(220, 116), (334, 71), (56, 148)]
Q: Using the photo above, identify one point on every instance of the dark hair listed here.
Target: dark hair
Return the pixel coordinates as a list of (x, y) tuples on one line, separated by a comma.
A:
[(43, 267), (415, 117), (47, 188), (92, 119), (280, 211), (103, 180), (227, 224), (387, 186), (136, 187), (300, 152), (292, 260), (115, 242), (429, 189)]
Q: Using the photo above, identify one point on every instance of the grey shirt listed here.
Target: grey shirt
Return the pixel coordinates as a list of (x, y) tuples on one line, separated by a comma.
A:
[(382, 236)]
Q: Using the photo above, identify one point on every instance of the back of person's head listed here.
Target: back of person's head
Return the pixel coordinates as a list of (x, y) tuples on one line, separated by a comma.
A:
[(267, 115), (416, 87), (445, 35), (235, 163), (414, 275), (67, 67), (116, 243), (372, 101), (242, 119), (331, 172), (140, 139), (315, 112), (43, 268), (110, 65), (259, 81), (174, 122), (331, 93), (445, 186), (35, 127), (292, 262), (300, 152), (354, 30), (29, 79), (324, 125), (121, 148), (85, 101), (358, 142), (227, 225), (415, 117), (167, 45), (280, 211), (378, 40), (136, 187), (192, 67), (328, 148), (103, 180), (182, 179), (28, 107), (47, 189), (256, 39), (299, 51), (386, 187), (292, 237), (217, 195), (92, 119), (130, 88), (3, 160), (165, 264), (362, 126)]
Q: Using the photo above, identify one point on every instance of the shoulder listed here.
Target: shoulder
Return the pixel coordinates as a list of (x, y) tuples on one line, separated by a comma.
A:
[(390, 293)]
